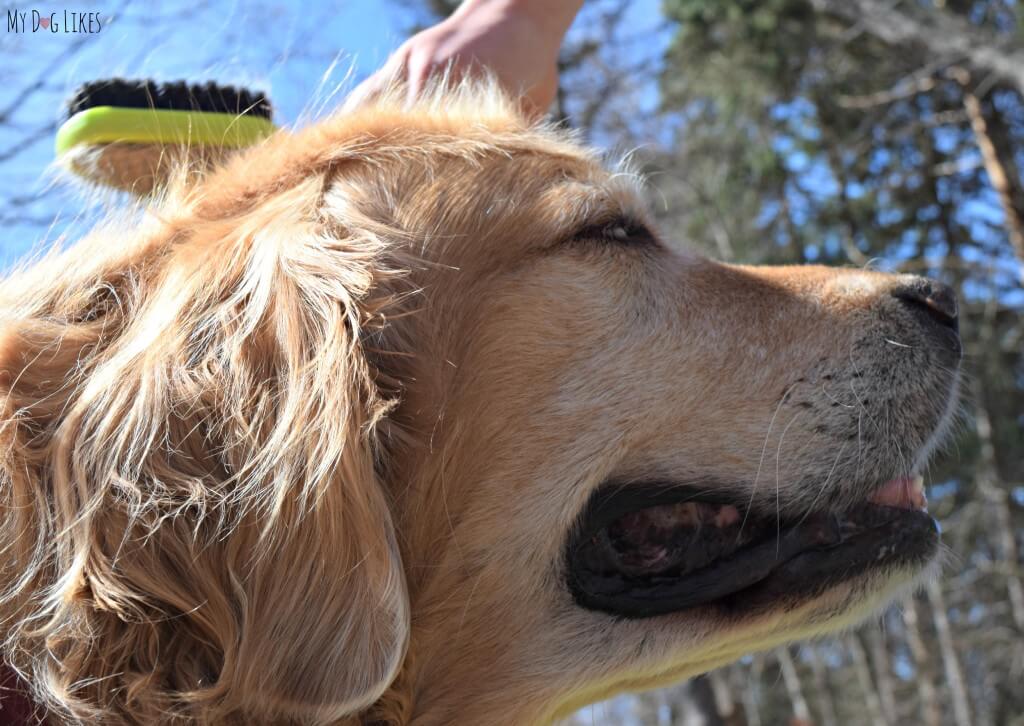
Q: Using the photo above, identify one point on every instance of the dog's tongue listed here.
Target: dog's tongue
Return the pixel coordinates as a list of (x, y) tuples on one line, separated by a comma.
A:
[(905, 492)]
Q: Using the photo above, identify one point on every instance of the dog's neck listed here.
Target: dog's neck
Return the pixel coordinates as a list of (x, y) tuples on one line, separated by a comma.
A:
[(443, 678)]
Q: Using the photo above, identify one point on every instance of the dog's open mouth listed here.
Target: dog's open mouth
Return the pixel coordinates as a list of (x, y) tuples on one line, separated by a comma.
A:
[(645, 550)]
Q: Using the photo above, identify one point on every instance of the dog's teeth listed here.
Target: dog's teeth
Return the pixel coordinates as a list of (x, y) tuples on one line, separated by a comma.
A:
[(906, 492), (917, 495), (726, 516)]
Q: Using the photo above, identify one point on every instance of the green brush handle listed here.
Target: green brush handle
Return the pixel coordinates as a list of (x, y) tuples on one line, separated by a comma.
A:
[(109, 124)]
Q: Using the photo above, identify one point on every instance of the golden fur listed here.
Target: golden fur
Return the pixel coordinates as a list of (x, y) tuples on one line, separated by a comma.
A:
[(302, 444)]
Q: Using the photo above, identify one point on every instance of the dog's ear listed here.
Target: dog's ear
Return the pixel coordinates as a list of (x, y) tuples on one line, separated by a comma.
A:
[(200, 525)]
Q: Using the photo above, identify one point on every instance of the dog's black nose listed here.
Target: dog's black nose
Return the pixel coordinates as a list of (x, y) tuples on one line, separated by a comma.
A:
[(934, 299)]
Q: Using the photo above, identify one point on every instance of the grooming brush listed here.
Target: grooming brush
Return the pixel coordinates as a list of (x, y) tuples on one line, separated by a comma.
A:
[(130, 134)]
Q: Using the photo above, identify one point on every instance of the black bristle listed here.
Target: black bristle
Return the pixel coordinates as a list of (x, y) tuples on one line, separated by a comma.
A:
[(179, 96)]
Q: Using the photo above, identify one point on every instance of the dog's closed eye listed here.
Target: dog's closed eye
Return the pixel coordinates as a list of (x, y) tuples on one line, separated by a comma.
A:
[(617, 230)]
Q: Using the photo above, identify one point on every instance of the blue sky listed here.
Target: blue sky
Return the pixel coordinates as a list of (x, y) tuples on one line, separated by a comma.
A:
[(285, 49), (276, 47)]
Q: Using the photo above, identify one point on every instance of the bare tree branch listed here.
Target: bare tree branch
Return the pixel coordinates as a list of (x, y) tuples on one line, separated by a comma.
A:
[(939, 33)]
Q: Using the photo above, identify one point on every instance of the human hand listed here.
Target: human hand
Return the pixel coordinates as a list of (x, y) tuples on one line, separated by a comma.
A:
[(515, 40)]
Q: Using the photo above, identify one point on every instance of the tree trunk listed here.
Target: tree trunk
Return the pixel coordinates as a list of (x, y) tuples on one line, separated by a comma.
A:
[(995, 494), (883, 674), (751, 690), (698, 707), (731, 712), (801, 713), (950, 659), (867, 686), (823, 690), (1007, 189), (931, 714)]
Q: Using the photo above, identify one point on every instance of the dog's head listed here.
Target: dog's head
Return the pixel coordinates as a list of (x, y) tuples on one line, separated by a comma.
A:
[(416, 414)]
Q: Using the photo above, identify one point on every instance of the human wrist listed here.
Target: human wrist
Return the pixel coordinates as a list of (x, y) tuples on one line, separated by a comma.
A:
[(550, 17)]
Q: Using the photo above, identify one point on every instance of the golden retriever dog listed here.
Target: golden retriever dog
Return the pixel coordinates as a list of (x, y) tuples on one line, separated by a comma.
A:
[(414, 417)]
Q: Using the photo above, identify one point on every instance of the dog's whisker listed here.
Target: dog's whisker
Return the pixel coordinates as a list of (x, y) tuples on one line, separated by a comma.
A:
[(778, 478), (764, 450), (824, 484)]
